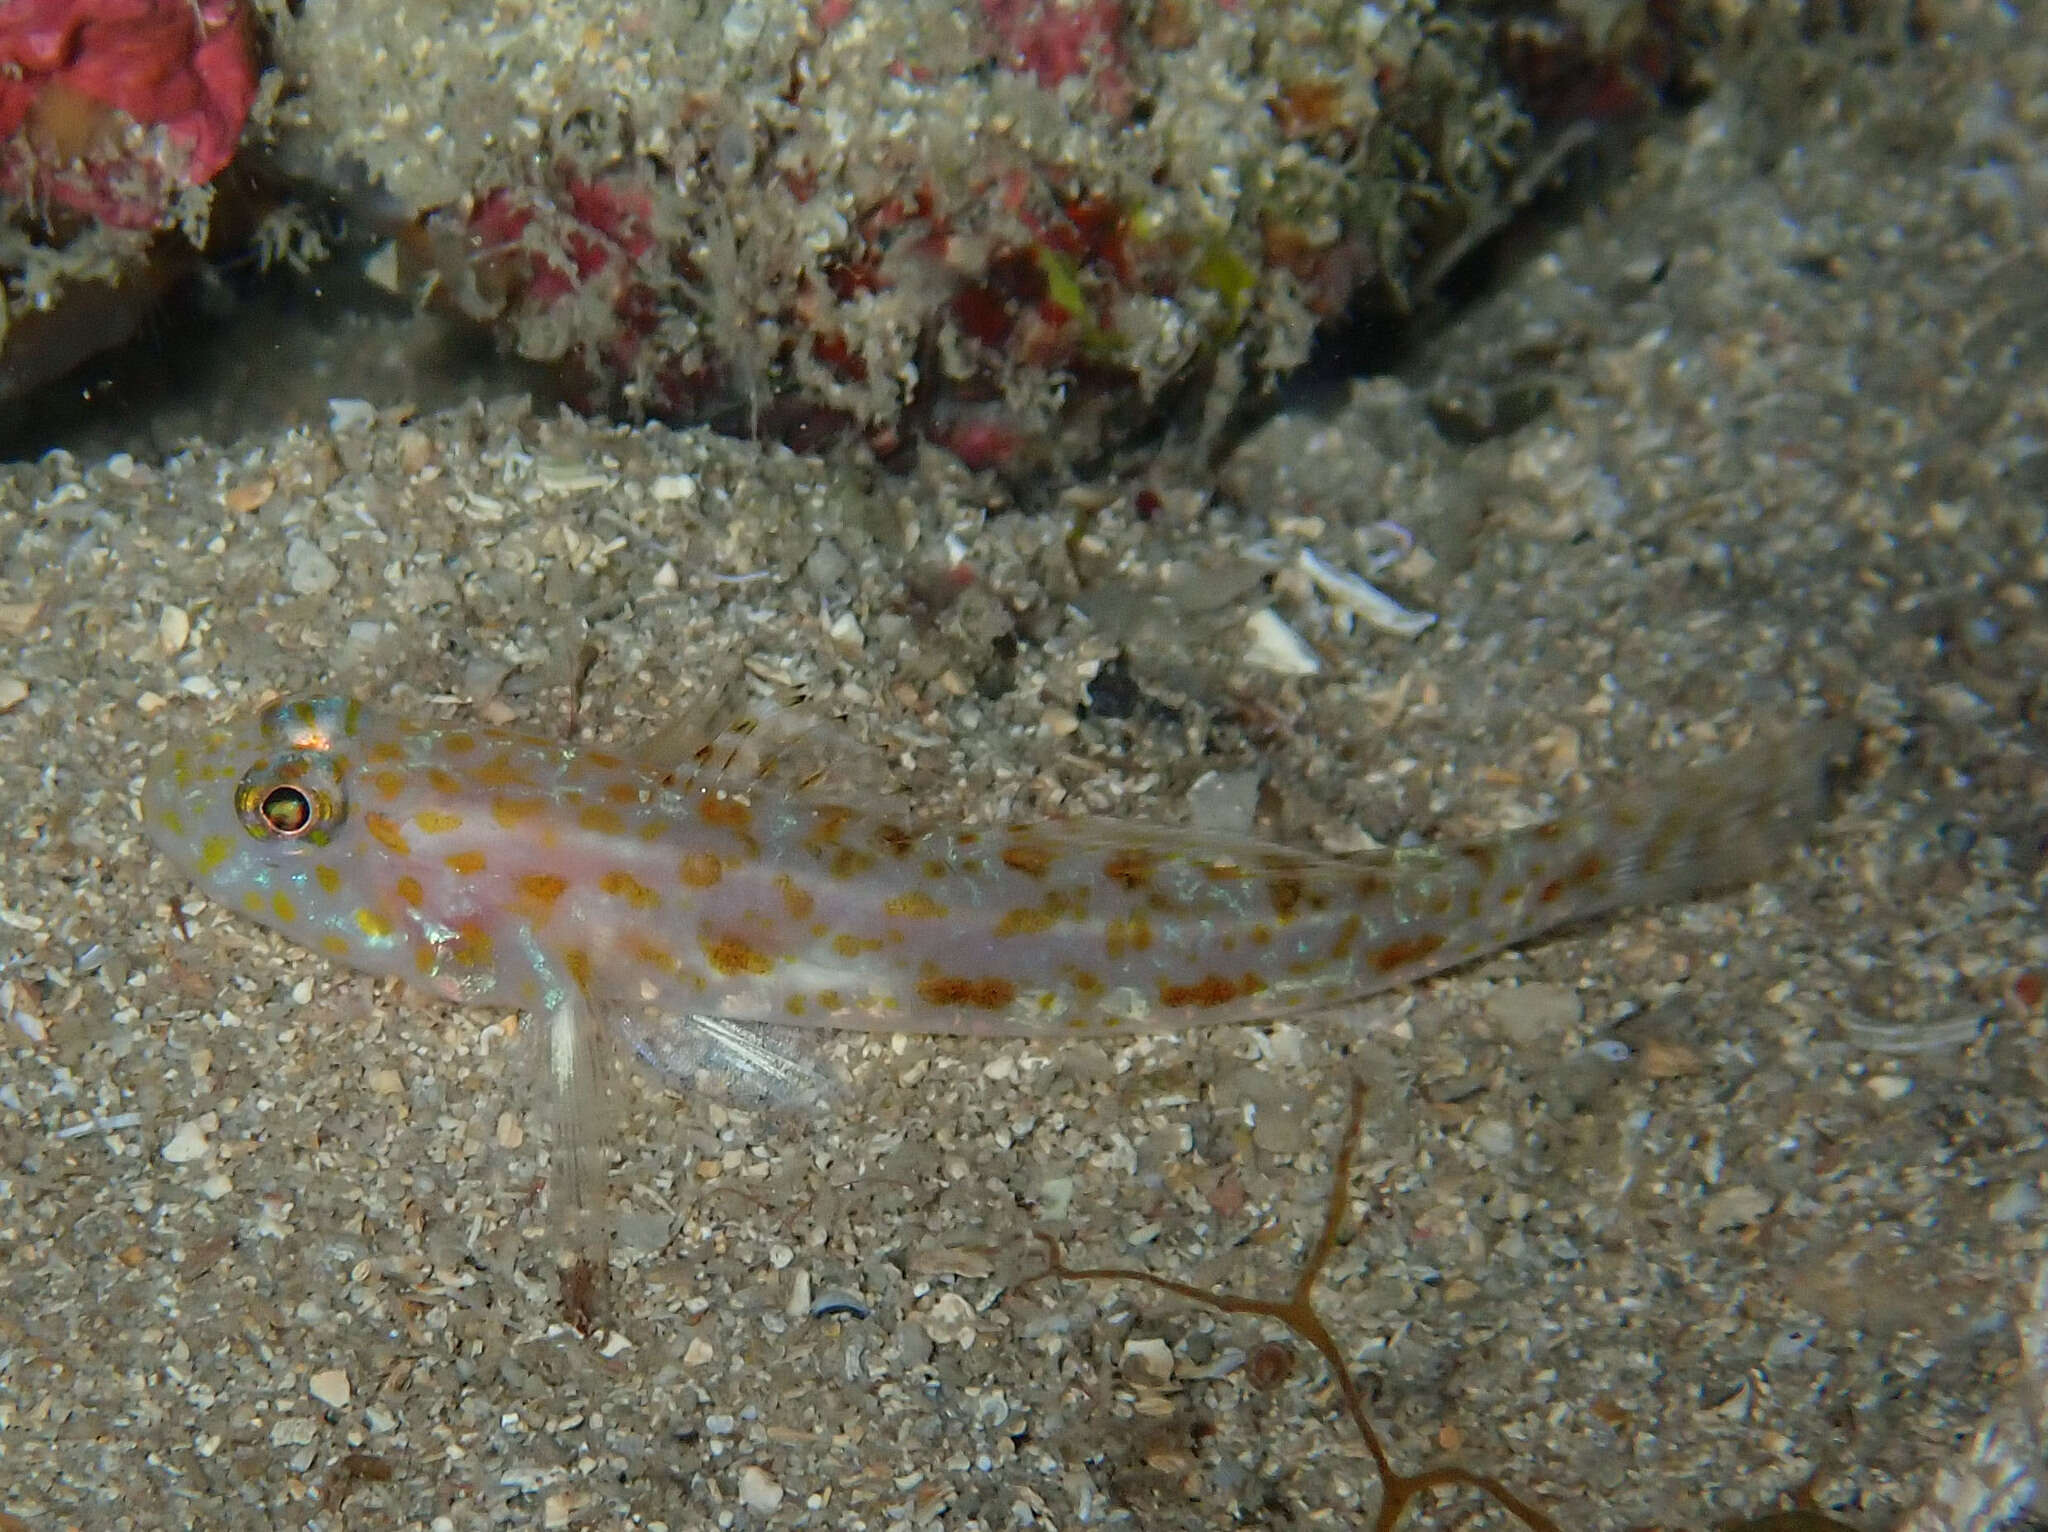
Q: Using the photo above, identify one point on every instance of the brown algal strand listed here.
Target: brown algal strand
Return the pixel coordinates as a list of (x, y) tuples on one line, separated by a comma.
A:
[(1271, 1364)]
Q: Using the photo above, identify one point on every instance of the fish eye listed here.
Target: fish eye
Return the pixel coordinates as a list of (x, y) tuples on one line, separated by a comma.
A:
[(286, 810), (297, 797)]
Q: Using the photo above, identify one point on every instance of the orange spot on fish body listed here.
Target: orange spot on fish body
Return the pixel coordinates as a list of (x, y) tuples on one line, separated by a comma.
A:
[(1482, 857), (385, 752), (1032, 858), (983, 994), (600, 820), (849, 862), (437, 821), (1286, 894), (651, 953), (847, 945), (1210, 990), (894, 839), (797, 902), (1407, 951), (389, 784), (734, 814), (458, 743), (1130, 868), (384, 830), (469, 863), (701, 869), (410, 891), (623, 885), (1130, 934), (541, 890), (472, 947), (500, 771), (733, 955), (443, 781), (916, 906), (1024, 921), (832, 819), (577, 961), (512, 813)]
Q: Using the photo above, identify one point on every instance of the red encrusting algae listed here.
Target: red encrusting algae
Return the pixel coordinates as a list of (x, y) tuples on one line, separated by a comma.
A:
[(110, 107)]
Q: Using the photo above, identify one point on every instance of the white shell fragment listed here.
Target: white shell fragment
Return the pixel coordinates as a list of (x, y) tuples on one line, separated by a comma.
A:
[(186, 1145), (759, 1492), (1363, 599), (350, 415), (1276, 647), (330, 1386), (1149, 1362)]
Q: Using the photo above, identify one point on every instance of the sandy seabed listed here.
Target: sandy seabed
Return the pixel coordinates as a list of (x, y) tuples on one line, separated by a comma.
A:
[(1662, 1221)]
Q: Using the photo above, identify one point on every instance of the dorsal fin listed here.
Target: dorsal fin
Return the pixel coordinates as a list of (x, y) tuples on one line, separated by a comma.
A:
[(794, 742), (1088, 833)]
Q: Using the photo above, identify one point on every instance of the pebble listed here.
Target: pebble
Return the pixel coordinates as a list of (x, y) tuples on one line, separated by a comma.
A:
[(173, 629), (1494, 1137), (2017, 1201), (307, 570), (1149, 1362), (1734, 1208), (950, 1321), (759, 1492), (292, 1431), (1669, 1061), (13, 692), (186, 1145), (1273, 645), (330, 1386), (350, 415)]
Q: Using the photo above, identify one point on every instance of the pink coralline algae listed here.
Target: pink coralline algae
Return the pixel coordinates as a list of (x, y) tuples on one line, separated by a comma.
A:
[(109, 107), (1058, 40)]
